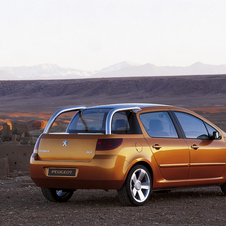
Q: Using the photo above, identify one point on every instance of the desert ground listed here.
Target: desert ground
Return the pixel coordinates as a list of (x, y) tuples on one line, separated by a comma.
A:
[(33, 102), (22, 203)]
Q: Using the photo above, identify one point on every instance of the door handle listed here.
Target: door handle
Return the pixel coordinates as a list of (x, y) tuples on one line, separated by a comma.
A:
[(195, 147), (157, 146)]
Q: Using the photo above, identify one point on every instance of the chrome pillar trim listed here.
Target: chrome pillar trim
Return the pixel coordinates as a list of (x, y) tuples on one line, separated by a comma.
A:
[(58, 113), (110, 116)]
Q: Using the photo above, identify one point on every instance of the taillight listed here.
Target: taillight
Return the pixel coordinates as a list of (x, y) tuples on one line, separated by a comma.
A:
[(108, 144)]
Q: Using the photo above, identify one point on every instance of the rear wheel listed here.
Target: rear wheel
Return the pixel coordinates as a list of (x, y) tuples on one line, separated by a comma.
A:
[(223, 188), (137, 187), (57, 195)]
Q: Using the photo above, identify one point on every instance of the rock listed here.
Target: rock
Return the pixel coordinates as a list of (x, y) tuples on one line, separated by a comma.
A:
[(19, 129), (39, 124), (19, 133)]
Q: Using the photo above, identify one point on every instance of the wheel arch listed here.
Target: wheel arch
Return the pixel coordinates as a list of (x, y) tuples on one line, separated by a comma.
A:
[(131, 192), (140, 162), (147, 166)]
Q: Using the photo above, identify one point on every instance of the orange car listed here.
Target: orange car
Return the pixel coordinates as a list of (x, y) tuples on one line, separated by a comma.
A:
[(133, 148)]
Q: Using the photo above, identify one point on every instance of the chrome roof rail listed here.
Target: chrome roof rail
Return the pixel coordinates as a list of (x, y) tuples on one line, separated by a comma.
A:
[(58, 113), (110, 116)]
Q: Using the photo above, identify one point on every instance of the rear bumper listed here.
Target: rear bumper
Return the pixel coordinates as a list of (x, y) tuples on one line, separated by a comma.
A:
[(103, 172)]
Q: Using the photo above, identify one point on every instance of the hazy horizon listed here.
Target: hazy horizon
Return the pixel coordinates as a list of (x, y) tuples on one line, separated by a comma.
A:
[(123, 69)]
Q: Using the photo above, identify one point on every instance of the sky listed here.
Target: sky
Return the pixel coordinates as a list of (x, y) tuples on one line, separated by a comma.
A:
[(94, 34)]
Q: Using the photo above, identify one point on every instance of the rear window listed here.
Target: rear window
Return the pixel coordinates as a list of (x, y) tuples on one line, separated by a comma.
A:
[(89, 121), (93, 121)]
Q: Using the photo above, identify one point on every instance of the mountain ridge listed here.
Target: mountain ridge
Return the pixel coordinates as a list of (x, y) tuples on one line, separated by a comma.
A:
[(122, 69)]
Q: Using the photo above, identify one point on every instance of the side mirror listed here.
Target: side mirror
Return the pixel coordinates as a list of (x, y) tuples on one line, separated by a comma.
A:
[(216, 135)]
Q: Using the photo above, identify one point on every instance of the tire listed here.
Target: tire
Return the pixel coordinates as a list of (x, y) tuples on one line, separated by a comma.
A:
[(137, 188), (223, 188), (57, 195)]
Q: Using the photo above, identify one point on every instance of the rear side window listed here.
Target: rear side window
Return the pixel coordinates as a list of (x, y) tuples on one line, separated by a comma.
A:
[(158, 124), (193, 127), (125, 122), (120, 123)]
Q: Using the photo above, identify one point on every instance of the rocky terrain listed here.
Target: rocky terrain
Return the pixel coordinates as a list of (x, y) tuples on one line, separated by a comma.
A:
[(22, 203)]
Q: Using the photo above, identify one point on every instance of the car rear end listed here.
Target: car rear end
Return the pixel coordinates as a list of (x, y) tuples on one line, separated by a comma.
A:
[(85, 156)]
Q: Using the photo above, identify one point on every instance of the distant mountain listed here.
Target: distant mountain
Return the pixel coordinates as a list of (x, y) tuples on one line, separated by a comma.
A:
[(148, 69), (117, 67), (4, 75), (123, 69), (40, 72)]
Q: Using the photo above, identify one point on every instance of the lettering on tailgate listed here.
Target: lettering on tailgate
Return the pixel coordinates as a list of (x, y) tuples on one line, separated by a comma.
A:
[(62, 172), (43, 150)]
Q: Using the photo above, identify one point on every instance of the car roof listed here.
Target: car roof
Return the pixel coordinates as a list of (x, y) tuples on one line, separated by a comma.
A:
[(128, 105)]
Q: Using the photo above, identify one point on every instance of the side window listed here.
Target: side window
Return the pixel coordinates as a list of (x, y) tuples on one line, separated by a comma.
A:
[(192, 126), (120, 123), (158, 124)]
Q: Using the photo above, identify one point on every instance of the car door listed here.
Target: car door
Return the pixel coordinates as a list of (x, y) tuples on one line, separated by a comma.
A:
[(170, 151), (207, 155)]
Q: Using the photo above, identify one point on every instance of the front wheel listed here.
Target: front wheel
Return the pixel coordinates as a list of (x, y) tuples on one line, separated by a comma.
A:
[(137, 187), (57, 195)]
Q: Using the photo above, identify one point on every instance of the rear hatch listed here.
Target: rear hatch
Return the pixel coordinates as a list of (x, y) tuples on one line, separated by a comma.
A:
[(67, 147)]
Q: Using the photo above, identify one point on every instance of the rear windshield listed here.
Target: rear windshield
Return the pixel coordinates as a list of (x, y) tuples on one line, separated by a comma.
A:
[(93, 121)]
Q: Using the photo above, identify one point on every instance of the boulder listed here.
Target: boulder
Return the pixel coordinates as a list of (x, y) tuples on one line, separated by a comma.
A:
[(19, 129), (39, 124)]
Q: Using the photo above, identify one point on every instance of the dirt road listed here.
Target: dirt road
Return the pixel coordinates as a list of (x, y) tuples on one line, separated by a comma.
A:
[(22, 203)]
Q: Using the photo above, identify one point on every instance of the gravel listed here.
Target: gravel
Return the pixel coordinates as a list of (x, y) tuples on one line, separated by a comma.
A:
[(22, 203)]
